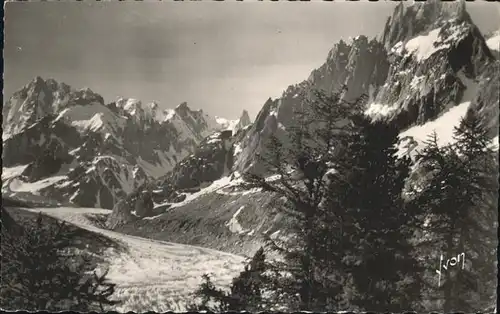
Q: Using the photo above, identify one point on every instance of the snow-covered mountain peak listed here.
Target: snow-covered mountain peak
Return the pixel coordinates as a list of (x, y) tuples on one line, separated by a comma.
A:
[(357, 40), (438, 47), (153, 105), (407, 22), (36, 100), (183, 108), (49, 126), (86, 91), (36, 83), (186, 113), (129, 104), (234, 125), (168, 114), (85, 97), (143, 114), (183, 117)]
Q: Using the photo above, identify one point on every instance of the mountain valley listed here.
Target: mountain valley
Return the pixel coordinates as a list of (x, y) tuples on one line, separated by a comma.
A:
[(171, 183)]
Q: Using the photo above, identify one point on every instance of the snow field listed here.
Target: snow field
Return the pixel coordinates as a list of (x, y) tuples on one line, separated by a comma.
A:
[(443, 126)]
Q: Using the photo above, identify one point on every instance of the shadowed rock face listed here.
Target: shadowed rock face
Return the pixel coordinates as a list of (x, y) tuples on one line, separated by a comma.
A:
[(486, 97), (95, 154), (45, 134), (432, 69), (212, 160), (264, 125), (207, 164), (360, 64)]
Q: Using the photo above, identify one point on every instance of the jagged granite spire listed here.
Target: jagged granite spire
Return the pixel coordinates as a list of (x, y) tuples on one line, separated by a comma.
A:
[(244, 119)]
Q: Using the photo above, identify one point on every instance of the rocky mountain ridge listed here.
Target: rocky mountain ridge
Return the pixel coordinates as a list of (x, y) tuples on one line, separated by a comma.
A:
[(429, 58), (429, 67), (66, 144)]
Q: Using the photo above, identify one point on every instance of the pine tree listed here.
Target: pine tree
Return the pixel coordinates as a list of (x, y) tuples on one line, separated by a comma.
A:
[(41, 272), (376, 226), (245, 291), (460, 200), (212, 298), (246, 288), (311, 255)]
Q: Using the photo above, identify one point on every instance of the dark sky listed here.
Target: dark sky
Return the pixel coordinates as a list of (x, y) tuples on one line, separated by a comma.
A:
[(222, 57)]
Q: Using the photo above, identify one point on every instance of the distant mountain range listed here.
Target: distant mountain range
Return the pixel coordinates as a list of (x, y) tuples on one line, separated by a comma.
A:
[(67, 146)]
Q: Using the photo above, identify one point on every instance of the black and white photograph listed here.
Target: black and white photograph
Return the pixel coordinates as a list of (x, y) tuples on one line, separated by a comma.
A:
[(259, 156)]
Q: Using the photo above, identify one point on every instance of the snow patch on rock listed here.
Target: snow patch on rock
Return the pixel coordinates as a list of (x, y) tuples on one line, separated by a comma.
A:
[(93, 117), (424, 46), (380, 110), (12, 172), (17, 185), (227, 124), (233, 224), (216, 185), (494, 42), (443, 126)]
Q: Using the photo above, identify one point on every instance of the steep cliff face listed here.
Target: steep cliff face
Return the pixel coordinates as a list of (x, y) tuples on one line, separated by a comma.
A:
[(437, 57), (360, 64), (76, 149), (265, 125)]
